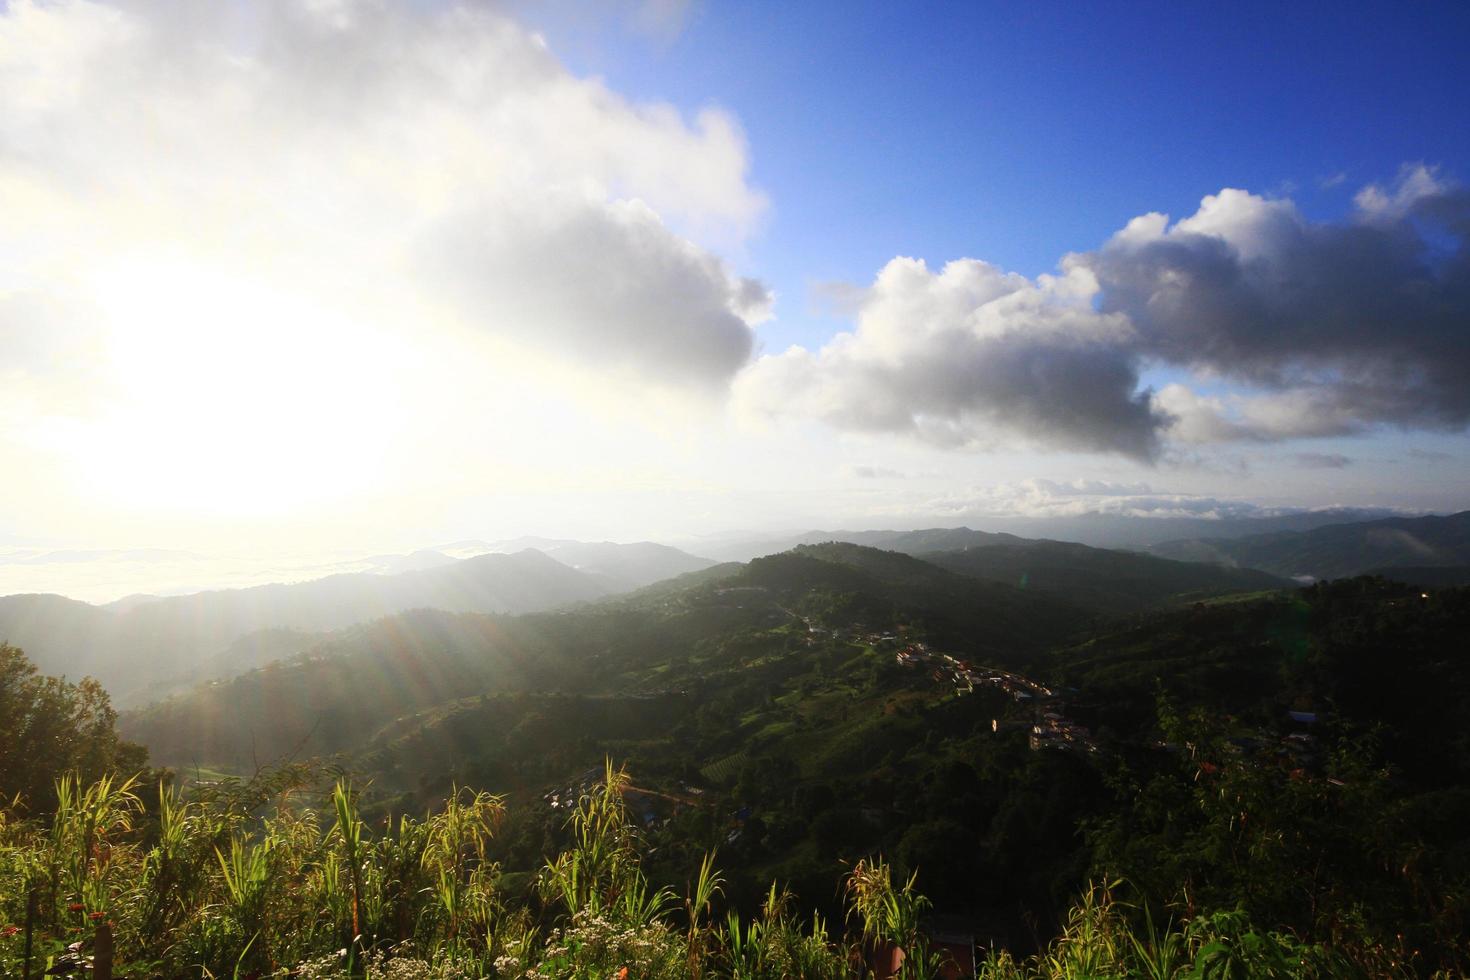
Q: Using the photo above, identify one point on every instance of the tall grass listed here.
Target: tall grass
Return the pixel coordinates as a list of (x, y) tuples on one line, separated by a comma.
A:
[(250, 880)]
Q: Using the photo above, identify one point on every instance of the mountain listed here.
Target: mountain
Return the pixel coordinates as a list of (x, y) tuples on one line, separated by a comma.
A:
[(353, 690), (622, 567), (1431, 577), (1338, 550), (58, 634), (1098, 530), (1136, 530), (859, 587), (134, 648), (908, 542), (1103, 580), (778, 710), (140, 646), (335, 698), (414, 561), (627, 566)]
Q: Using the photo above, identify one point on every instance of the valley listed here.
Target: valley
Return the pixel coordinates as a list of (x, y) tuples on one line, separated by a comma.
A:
[(996, 720)]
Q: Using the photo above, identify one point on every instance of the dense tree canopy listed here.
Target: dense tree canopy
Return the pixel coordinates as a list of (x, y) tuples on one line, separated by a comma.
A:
[(49, 726)]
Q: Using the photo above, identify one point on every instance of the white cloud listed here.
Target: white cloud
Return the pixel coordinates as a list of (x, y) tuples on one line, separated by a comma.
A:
[(1416, 184), (864, 472), (969, 356), (263, 256), (1315, 329), (1050, 499), (333, 150)]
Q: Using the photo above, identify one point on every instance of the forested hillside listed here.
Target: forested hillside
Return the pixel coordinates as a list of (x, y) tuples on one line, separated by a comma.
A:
[(836, 701), (1293, 759), (146, 647), (1338, 550), (1101, 580)]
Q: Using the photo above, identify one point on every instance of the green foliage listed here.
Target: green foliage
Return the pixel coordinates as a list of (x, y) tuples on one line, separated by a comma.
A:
[(200, 886), (766, 716), (1102, 580), (1106, 937), (203, 886), (49, 726)]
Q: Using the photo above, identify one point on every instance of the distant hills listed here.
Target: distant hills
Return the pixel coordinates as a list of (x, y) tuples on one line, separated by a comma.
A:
[(140, 646), (1098, 530), (1012, 592), (1101, 580), (1340, 550), (360, 689), (950, 579), (353, 691), (1098, 579), (620, 567), (854, 584), (908, 542)]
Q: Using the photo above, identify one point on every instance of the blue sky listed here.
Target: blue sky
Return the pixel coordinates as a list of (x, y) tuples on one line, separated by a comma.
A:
[(1017, 132)]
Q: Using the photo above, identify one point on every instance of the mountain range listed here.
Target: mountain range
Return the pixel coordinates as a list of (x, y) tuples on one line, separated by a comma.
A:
[(142, 646), (1389, 545), (1098, 530)]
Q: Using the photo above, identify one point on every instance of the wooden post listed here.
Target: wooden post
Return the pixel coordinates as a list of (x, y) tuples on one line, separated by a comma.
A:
[(25, 963), (102, 952)]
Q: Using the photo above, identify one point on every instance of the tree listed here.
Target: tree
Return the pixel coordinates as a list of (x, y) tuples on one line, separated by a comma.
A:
[(49, 726)]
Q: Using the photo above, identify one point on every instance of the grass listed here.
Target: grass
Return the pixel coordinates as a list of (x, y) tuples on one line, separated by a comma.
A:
[(254, 882)]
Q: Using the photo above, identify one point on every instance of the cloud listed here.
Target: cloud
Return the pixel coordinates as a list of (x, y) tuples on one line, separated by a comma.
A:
[(1432, 455), (1334, 327), (1323, 461), (1312, 329), (970, 356), (609, 282), (875, 473), (1039, 498), (340, 150)]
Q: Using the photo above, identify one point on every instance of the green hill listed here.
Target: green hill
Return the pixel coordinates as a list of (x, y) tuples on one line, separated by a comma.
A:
[(1098, 579), (764, 713), (146, 646), (1338, 550)]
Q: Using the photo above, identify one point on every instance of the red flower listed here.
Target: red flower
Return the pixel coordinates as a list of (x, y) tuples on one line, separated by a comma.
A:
[(75, 907), (9, 931), (96, 915)]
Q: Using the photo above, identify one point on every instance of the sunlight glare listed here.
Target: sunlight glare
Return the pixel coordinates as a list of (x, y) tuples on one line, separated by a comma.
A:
[(227, 395)]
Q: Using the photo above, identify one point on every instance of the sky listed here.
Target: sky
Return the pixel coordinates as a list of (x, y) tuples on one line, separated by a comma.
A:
[(292, 281)]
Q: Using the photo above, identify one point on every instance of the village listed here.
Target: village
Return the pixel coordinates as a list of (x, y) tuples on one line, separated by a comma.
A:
[(1050, 728), (1049, 725)]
